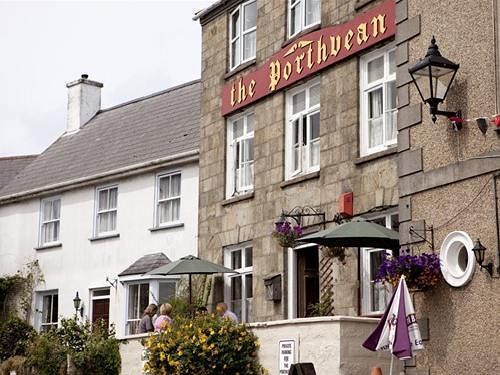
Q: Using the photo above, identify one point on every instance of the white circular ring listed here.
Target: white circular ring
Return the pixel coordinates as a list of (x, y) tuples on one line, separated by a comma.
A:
[(457, 259)]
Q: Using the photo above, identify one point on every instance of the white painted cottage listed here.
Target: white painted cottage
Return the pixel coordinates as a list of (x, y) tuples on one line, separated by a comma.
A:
[(113, 197)]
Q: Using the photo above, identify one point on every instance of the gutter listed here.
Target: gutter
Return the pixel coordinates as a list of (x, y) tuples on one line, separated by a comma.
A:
[(185, 157)]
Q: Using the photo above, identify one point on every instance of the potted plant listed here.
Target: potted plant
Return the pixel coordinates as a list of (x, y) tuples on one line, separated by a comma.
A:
[(421, 271), (286, 234)]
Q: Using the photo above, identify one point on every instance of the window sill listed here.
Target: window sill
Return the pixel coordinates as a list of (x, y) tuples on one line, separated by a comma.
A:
[(104, 237), (361, 4), (166, 227), (239, 68), (238, 198), (301, 34), (377, 155), (51, 246), (296, 180)]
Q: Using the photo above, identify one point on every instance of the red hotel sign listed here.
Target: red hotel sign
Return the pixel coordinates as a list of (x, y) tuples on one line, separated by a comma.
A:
[(310, 54)]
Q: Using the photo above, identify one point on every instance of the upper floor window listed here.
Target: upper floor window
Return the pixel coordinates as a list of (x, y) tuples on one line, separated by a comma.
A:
[(302, 129), (378, 101), (47, 306), (50, 220), (302, 14), (106, 210), (242, 26), (375, 295), (240, 157), (238, 287), (168, 195)]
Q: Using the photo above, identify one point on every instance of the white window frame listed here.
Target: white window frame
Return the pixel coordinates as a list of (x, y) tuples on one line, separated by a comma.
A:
[(52, 220), (97, 232), (40, 324), (234, 172), (240, 35), (303, 25), (365, 89), (154, 293), (158, 201), (243, 271), (304, 150), (366, 300)]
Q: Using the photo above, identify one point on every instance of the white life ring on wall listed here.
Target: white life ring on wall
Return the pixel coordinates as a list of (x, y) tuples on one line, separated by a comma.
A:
[(457, 259)]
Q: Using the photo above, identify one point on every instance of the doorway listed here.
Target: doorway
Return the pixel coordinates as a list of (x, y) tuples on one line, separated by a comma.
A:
[(307, 280), (100, 305)]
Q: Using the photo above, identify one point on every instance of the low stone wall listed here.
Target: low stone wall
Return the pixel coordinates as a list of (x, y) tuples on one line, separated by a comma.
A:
[(332, 344)]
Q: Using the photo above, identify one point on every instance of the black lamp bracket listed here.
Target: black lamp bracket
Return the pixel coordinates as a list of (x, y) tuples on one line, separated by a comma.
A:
[(298, 214), (488, 267), (113, 282), (418, 233)]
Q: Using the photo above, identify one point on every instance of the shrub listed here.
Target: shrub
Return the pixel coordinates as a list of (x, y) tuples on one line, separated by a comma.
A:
[(93, 348), (204, 345), (17, 364), (47, 353), (14, 337)]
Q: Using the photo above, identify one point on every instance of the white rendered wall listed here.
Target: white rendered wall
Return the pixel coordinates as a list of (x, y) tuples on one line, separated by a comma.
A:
[(81, 264)]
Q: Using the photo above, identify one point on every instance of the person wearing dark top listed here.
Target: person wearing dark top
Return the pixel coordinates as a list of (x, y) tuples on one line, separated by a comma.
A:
[(146, 323)]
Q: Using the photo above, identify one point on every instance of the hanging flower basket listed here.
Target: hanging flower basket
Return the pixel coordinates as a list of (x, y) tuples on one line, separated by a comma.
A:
[(422, 272), (335, 252), (286, 235)]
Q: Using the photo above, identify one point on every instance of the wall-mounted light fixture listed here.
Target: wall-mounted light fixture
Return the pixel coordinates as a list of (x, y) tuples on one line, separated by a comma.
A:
[(479, 250), (76, 304), (433, 76)]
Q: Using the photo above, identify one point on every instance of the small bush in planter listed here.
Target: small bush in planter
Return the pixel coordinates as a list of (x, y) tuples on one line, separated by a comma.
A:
[(422, 272), (204, 345)]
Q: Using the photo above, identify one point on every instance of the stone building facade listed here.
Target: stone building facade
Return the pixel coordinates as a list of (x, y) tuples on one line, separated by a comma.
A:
[(237, 214), (449, 181)]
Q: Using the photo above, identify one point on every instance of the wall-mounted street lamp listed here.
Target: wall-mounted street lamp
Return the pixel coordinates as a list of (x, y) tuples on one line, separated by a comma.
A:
[(479, 250), (76, 304), (433, 76)]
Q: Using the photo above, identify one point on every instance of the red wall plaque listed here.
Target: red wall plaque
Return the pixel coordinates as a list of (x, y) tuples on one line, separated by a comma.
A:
[(310, 54)]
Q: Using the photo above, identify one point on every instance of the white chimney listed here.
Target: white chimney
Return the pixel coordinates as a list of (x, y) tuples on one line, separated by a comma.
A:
[(84, 101)]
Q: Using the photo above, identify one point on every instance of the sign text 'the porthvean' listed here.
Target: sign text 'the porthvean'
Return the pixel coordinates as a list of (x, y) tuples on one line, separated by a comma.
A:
[(310, 54)]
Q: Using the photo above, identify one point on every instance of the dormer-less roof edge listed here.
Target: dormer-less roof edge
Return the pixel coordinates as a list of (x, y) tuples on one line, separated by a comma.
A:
[(182, 158)]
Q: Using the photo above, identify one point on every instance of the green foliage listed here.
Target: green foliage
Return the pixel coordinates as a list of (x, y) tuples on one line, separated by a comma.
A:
[(17, 364), (325, 305), (94, 348), (14, 337), (204, 345), (47, 352)]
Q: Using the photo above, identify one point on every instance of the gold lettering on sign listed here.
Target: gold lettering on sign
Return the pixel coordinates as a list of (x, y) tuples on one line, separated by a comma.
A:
[(233, 100), (362, 35), (242, 92), (348, 40), (336, 45), (287, 70), (274, 74), (322, 52), (298, 62), (309, 57), (378, 24), (251, 88)]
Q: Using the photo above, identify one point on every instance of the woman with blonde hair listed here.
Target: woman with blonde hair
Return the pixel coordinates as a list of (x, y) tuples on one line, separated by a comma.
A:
[(164, 319), (146, 323)]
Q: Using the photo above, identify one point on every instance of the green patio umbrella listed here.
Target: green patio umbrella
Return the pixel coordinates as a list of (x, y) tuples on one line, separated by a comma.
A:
[(190, 265), (356, 234)]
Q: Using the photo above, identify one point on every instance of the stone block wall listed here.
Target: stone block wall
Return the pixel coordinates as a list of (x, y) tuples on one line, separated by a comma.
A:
[(251, 217)]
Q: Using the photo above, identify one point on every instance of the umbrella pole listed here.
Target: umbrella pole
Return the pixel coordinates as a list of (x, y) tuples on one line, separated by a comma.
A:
[(190, 295), (392, 359)]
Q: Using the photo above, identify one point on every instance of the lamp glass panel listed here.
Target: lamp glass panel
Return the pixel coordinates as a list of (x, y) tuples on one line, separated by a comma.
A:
[(441, 79), (422, 82)]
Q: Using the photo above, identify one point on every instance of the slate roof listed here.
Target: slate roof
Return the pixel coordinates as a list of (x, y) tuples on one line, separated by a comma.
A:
[(10, 166), (145, 264), (160, 125)]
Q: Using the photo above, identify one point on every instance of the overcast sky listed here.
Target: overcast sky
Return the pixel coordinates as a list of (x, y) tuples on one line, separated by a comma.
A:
[(133, 48)]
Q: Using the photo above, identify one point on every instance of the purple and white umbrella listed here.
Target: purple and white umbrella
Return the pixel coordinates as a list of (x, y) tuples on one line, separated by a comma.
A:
[(398, 330)]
